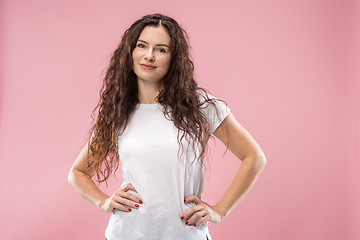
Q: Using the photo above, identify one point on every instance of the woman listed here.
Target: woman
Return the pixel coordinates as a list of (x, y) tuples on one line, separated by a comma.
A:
[(154, 121)]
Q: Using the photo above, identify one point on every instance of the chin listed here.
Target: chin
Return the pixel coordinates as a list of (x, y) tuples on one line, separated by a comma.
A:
[(144, 78)]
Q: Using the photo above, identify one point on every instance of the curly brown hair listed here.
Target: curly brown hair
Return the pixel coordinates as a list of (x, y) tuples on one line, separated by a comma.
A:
[(119, 97)]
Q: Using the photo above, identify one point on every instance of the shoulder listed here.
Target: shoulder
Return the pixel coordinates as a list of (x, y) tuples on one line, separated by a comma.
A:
[(203, 97), (208, 100)]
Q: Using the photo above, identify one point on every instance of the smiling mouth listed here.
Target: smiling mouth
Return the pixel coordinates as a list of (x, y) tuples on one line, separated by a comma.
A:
[(147, 67)]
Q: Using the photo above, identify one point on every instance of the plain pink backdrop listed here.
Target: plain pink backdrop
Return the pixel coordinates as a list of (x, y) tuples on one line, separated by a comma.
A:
[(287, 69)]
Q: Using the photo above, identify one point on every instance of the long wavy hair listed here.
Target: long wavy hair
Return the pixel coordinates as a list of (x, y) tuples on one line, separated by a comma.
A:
[(119, 97)]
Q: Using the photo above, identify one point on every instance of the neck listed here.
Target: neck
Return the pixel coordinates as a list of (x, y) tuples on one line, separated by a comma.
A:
[(147, 92)]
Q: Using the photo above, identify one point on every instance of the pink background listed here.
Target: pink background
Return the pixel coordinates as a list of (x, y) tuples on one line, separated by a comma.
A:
[(288, 70)]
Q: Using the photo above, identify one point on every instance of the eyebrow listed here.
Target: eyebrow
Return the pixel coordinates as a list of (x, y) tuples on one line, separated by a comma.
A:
[(161, 44)]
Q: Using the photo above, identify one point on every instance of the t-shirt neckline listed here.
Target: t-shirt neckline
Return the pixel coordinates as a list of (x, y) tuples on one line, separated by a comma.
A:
[(148, 105)]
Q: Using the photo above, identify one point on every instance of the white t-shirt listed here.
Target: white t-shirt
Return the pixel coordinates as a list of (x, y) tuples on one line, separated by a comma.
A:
[(148, 151)]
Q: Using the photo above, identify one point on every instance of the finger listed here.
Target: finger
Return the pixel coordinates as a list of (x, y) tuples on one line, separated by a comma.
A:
[(192, 198), (206, 218), (191, 211), (129, 196), (126, 202), (119, 206), (128, 187), (195, 217)]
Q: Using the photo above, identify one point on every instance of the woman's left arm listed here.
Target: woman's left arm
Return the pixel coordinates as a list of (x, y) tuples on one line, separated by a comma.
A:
[(244, 146)]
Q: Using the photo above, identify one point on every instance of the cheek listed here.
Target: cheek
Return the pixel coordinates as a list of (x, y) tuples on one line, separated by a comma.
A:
[(167, 62), (135, 55), (135, 58)]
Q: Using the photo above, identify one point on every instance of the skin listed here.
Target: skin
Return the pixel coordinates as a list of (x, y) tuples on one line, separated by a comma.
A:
[(151, 50), (241, 144), (245, 148)]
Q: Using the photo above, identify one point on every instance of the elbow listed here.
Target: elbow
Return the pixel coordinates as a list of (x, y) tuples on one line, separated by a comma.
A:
[(262, 161), (258, 162), (70, 177)]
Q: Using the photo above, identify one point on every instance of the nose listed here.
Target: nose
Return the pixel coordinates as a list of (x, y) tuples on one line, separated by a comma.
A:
[(149, 55)]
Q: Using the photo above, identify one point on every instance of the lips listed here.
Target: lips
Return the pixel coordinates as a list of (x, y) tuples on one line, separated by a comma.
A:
[(148, 67)]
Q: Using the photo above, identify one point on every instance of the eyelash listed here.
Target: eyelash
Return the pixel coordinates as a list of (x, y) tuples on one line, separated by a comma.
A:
[(163, 50)]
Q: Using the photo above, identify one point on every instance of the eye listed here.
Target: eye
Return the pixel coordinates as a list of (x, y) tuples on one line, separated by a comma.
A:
[(140, 45), (162, 50)]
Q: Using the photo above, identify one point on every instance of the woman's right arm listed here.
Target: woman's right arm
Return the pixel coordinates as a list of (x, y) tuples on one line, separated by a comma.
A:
[(80, 178)]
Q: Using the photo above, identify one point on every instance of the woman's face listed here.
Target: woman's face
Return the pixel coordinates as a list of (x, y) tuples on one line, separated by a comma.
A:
[(152, 49)]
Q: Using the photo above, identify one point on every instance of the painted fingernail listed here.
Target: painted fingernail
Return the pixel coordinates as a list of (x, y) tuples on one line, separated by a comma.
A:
[(182, 217), (140, 201), (129, 210), (136, 205), (184, 200), (194, 224), (186, 223)]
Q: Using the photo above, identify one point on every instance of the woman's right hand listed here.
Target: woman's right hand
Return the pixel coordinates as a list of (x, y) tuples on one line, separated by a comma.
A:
[(122, 200)]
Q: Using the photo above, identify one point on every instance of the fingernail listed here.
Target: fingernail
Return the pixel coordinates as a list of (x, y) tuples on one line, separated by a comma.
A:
[(140, 201), (136, 205), (182, 217), (186, 223), (184, 200), (194, 224), (129, 210)]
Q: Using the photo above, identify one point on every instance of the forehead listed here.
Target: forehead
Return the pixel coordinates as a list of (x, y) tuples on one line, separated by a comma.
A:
[(155, 35)]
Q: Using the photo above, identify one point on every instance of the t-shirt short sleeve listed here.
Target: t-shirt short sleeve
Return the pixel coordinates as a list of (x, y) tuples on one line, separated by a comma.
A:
[(210, 112)]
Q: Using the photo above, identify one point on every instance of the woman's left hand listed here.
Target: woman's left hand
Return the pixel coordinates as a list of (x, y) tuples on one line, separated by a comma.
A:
[(201, 212)]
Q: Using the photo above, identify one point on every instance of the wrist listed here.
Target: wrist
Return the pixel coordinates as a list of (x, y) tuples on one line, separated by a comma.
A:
[(101, 203), (221, 211)]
